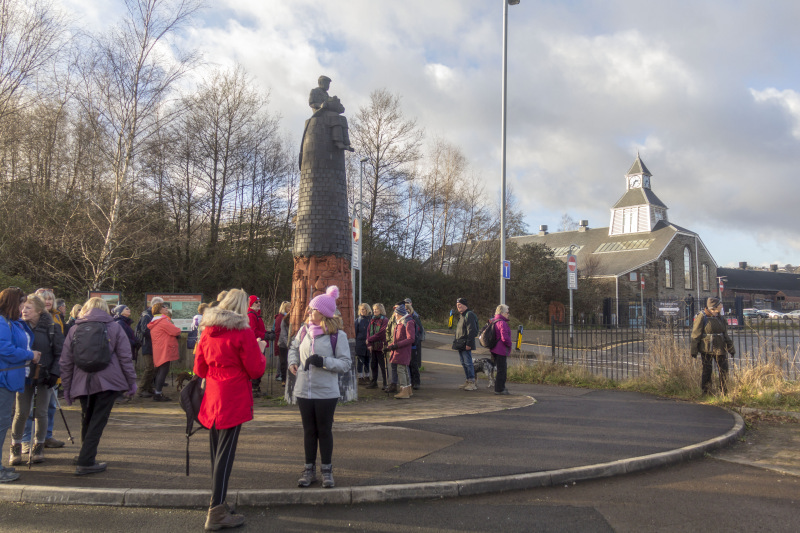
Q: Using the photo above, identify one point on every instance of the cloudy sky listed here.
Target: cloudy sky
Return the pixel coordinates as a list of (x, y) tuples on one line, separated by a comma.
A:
[(708, 93)]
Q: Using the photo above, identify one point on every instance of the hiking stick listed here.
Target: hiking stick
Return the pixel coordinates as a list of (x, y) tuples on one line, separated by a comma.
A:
[(64, 418), (35, 426)]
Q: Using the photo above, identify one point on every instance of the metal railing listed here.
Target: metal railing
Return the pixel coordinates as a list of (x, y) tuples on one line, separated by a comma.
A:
[(623, 352)]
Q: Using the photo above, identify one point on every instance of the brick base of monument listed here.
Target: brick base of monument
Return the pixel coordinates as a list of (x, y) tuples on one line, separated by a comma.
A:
[(312, 276)]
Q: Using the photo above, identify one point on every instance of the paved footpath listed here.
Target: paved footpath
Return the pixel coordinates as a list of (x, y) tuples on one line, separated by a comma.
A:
[(443, 442)]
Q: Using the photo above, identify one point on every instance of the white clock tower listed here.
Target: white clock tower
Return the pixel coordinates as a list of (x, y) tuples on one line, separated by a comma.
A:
[(639, 209)]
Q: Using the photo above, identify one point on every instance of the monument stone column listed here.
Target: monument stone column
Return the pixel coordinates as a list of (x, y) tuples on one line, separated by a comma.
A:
[(322, 243)]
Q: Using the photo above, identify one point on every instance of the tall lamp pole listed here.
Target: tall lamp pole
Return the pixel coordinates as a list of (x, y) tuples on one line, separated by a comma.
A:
[(361, 227), (506, 3)]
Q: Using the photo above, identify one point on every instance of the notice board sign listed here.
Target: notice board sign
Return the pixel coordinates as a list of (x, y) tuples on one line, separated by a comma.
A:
[(113, 299), (184, 306)]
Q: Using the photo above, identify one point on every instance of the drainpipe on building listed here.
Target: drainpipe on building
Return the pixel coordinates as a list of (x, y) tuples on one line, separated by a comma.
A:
[(697, 266)]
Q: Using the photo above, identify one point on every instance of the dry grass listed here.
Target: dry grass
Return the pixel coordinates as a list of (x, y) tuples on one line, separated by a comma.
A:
[(758, 383)]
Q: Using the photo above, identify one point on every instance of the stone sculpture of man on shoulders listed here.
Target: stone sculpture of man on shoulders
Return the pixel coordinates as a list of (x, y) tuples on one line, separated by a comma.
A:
[(331, 108)]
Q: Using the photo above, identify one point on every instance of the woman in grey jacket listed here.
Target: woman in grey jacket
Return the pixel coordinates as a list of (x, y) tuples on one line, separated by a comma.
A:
[(319, 353)]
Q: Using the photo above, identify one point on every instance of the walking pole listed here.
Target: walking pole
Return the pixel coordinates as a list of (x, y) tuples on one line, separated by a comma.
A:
[(64, 418), (34, 380)]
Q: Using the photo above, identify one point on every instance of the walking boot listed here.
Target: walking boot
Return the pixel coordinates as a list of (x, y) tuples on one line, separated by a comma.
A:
[(327, 476), (405, 393), (221, 517), (309, 475), (391, 388), (16, 455), (471, 385), (465, 385), (38, 453), (372, 385)]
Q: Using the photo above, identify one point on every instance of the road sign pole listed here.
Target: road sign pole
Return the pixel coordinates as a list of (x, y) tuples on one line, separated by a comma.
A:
[(644, 315), (572, 284)]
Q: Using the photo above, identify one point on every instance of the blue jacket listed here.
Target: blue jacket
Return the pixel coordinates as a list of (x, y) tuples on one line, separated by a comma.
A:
[(15, 338)]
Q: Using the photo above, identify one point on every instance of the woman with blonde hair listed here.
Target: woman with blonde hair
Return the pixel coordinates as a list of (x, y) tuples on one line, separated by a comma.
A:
[(49, 299), (362, 332), (318, 354), (96, 390), (281, 329), (228, 356), (37, 384)]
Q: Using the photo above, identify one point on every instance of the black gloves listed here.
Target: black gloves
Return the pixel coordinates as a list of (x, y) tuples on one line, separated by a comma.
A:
[(694, 356), (391, 347), (314, 359), (51, 381)]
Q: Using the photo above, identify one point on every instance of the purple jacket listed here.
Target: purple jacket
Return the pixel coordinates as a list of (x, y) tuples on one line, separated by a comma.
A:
[(503, 332), (117, 376)]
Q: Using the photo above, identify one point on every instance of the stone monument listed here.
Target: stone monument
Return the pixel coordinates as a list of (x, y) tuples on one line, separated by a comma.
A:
[(322, 243)]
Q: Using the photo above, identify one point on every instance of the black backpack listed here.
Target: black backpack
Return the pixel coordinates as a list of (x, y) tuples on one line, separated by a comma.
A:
[(488, 335), (91, 347), (191, 400), (420, 336), (141, 329)]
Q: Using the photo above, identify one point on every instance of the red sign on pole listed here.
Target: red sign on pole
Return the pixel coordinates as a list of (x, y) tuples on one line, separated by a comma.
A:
[(572, 264), (721, 286)]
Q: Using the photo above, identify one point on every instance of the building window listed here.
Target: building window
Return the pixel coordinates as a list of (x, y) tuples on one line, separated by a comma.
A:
[(687, 268), (706, 280), (668, 273)]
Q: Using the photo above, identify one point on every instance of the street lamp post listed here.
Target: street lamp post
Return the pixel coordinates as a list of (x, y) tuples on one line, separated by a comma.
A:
[(506, 3), (361, 226)]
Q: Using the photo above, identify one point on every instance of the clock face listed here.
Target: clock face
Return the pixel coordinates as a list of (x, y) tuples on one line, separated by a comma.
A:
[(647, 181), (636, 181)]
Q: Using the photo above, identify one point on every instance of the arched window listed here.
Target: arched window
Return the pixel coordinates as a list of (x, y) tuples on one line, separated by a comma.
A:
[(687, 268), (706, 279), (668, 273)]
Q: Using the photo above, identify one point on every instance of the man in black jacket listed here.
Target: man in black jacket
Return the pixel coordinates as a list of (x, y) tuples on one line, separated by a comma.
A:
[(464, 342), (143, 335)]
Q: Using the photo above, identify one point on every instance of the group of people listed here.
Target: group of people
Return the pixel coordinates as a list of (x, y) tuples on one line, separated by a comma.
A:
[(89, 354)]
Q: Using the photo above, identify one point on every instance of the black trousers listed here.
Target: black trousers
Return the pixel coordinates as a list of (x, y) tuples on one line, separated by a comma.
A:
[(501, 368), (416, 362), (317, 417), (95, 410), (378, 360), (223, 451), (708, 369), (161, 376), (283, 357)]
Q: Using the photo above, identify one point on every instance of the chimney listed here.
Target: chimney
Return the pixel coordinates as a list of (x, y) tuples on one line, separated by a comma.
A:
[(583, 225), (543, 230), (773, 268)]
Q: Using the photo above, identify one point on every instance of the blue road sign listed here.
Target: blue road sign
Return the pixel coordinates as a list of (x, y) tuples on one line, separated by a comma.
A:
[(506, 269)]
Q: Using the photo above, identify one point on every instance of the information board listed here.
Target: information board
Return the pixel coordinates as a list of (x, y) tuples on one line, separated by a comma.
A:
[(184, 307), (113, 299)]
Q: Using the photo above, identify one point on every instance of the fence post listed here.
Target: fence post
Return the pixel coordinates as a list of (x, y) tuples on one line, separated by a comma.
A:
[(553, 336)]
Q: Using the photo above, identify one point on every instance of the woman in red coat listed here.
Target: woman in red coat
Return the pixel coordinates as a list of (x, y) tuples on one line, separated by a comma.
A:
[(404, 334), (164, 335), (228, 356)]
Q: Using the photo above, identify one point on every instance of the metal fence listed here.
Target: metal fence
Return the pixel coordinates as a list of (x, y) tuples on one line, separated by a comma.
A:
[(623, 352)]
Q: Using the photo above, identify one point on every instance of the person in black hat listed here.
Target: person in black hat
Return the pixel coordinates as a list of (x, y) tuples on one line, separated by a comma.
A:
[(464, 341), (711, 340)]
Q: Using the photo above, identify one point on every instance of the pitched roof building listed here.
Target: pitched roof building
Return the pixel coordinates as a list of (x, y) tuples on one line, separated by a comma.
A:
[(639, 241)]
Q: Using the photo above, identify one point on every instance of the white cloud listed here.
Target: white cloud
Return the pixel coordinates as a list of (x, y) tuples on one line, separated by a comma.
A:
[(787, 99)]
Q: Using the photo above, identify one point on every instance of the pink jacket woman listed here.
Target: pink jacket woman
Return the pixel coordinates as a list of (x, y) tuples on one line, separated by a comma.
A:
[(165, 339), (503, 333), (404, 334)]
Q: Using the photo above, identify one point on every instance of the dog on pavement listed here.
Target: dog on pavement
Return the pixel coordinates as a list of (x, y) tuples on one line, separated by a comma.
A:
[(181, 378), (486, 366)]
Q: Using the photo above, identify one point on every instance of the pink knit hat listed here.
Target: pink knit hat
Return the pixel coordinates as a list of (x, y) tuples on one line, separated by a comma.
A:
[(326, 303)]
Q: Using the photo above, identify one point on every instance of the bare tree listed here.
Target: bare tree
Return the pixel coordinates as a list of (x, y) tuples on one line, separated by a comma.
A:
[(391, 143), (125, 83), (31, 34)]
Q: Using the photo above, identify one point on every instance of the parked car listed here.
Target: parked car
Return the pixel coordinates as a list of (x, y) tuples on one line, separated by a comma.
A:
[(795, 315), (771, 313), (750, 313)]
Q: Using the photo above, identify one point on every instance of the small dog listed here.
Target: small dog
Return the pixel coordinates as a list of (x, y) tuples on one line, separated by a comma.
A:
[(183, 377), (486, 366)]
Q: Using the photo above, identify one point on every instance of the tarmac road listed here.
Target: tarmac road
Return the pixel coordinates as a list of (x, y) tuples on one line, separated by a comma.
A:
[(707, 495)]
